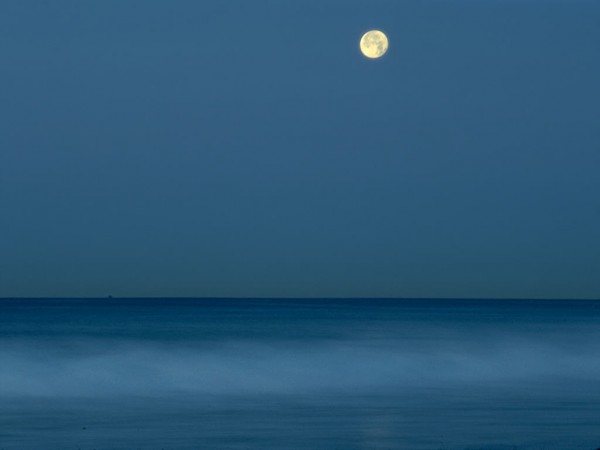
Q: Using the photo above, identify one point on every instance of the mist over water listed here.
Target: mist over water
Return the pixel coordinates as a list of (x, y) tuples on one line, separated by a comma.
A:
[(386, 370)]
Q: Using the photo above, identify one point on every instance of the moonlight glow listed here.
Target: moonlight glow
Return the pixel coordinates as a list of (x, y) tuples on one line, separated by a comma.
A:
[(374, 44)]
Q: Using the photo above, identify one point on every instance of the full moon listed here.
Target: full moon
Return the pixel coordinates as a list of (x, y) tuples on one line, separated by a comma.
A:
[(374, 44)]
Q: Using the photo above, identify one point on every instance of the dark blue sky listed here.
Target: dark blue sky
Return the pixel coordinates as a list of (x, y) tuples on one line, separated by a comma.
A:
[(246, 148)]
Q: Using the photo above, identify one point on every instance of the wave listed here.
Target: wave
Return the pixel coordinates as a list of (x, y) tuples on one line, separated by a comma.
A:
[(92, 368)]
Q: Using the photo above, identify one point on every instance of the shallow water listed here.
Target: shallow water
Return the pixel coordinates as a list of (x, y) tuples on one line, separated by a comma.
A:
[(299, 374)]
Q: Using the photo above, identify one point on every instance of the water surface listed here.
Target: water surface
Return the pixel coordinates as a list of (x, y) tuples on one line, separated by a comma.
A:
[(299, 374)]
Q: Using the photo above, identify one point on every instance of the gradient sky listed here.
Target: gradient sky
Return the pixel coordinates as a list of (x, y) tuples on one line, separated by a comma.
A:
[(246, 148)]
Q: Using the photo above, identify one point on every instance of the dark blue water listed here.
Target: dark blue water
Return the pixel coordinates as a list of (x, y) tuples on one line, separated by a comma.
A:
[(299, 374)]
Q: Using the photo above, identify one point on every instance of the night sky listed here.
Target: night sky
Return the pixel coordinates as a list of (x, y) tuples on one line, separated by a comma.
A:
[(247, 148)]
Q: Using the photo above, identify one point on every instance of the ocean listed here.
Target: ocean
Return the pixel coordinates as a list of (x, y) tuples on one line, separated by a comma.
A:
[(347, 374)]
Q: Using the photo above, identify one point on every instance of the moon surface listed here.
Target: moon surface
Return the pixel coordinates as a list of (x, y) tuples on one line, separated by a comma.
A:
[(374, 44)]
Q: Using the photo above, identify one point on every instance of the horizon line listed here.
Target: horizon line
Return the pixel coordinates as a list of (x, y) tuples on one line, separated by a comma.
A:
[(116, 297)]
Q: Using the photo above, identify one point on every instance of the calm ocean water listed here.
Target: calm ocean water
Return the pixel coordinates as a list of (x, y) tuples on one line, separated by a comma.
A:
[(299, 374)]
